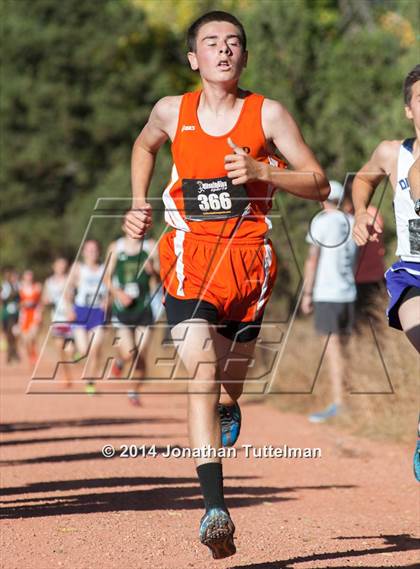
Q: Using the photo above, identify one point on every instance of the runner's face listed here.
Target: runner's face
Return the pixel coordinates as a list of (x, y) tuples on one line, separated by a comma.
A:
[(6, 274), (413, 110), (90, 252), (60, 267), (28, 277), (219, 55)]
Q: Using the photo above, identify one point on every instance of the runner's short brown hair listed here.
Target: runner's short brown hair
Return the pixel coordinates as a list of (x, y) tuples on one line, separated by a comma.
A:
[(409, 81), (215, 16)]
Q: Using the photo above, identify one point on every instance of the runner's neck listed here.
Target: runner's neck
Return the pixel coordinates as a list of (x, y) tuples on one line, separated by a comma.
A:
[(219, 99), (94, 266), (416, 145)]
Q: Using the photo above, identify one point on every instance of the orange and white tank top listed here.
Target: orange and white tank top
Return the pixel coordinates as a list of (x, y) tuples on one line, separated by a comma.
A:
[(200, 198), (30, 296)]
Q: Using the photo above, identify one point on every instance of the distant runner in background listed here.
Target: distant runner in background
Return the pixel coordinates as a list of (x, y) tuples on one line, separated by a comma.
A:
[(9, 296), (87, 314), (30, 313), (130, 276), (330, 290), (52, 297), (152, 249)]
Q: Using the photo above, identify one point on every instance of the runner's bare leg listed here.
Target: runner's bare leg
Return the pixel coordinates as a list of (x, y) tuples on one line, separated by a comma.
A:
[(409, 314), (194, 341)]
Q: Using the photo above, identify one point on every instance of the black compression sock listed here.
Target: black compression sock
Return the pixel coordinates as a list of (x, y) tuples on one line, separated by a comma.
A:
[(211, 481)]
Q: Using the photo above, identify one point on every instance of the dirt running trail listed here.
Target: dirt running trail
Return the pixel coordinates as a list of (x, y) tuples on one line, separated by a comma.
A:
[(66, 506)]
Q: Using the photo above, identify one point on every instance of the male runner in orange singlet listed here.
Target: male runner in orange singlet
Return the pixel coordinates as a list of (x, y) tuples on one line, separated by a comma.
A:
[(217, 265)]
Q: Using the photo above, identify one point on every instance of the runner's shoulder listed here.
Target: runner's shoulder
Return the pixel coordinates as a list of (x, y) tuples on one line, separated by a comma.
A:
[(111, 247), (75, 271), (274, 115), (273, 110), (386, 151), (167, 109)]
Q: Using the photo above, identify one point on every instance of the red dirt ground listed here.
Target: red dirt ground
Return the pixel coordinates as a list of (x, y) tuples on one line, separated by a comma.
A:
[(66, 506)]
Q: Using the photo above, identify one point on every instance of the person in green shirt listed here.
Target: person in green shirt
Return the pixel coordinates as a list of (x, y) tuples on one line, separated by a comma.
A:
[(10, 311), (131, 275)]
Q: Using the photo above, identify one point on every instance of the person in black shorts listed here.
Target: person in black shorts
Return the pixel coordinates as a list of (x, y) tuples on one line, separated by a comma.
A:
[(330, 290)]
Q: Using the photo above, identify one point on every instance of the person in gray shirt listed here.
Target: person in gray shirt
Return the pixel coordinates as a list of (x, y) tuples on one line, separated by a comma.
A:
[(330, 289)]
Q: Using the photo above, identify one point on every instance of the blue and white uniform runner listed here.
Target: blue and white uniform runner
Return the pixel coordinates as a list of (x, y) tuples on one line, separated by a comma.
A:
[(55, 291), (405, 273), (90, 297)]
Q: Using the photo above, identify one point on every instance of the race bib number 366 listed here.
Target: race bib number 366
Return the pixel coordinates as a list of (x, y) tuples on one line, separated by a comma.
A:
[(214, 198)]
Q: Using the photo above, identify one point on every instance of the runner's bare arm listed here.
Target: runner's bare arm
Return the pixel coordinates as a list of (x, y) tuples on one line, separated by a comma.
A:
[(110, 267), (152, 266), (414, 180), (151, 269), (70, 290), (364, 185), (154, 253), (158, 129), (72, 282), (114, 292), (311, 264), (308, 179), (46, 300), (40, 305)]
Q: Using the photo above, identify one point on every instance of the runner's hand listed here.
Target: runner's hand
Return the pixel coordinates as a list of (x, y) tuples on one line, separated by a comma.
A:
[(123, 297), (365, 228), (306, 305), (138, 221), (240, 167)]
